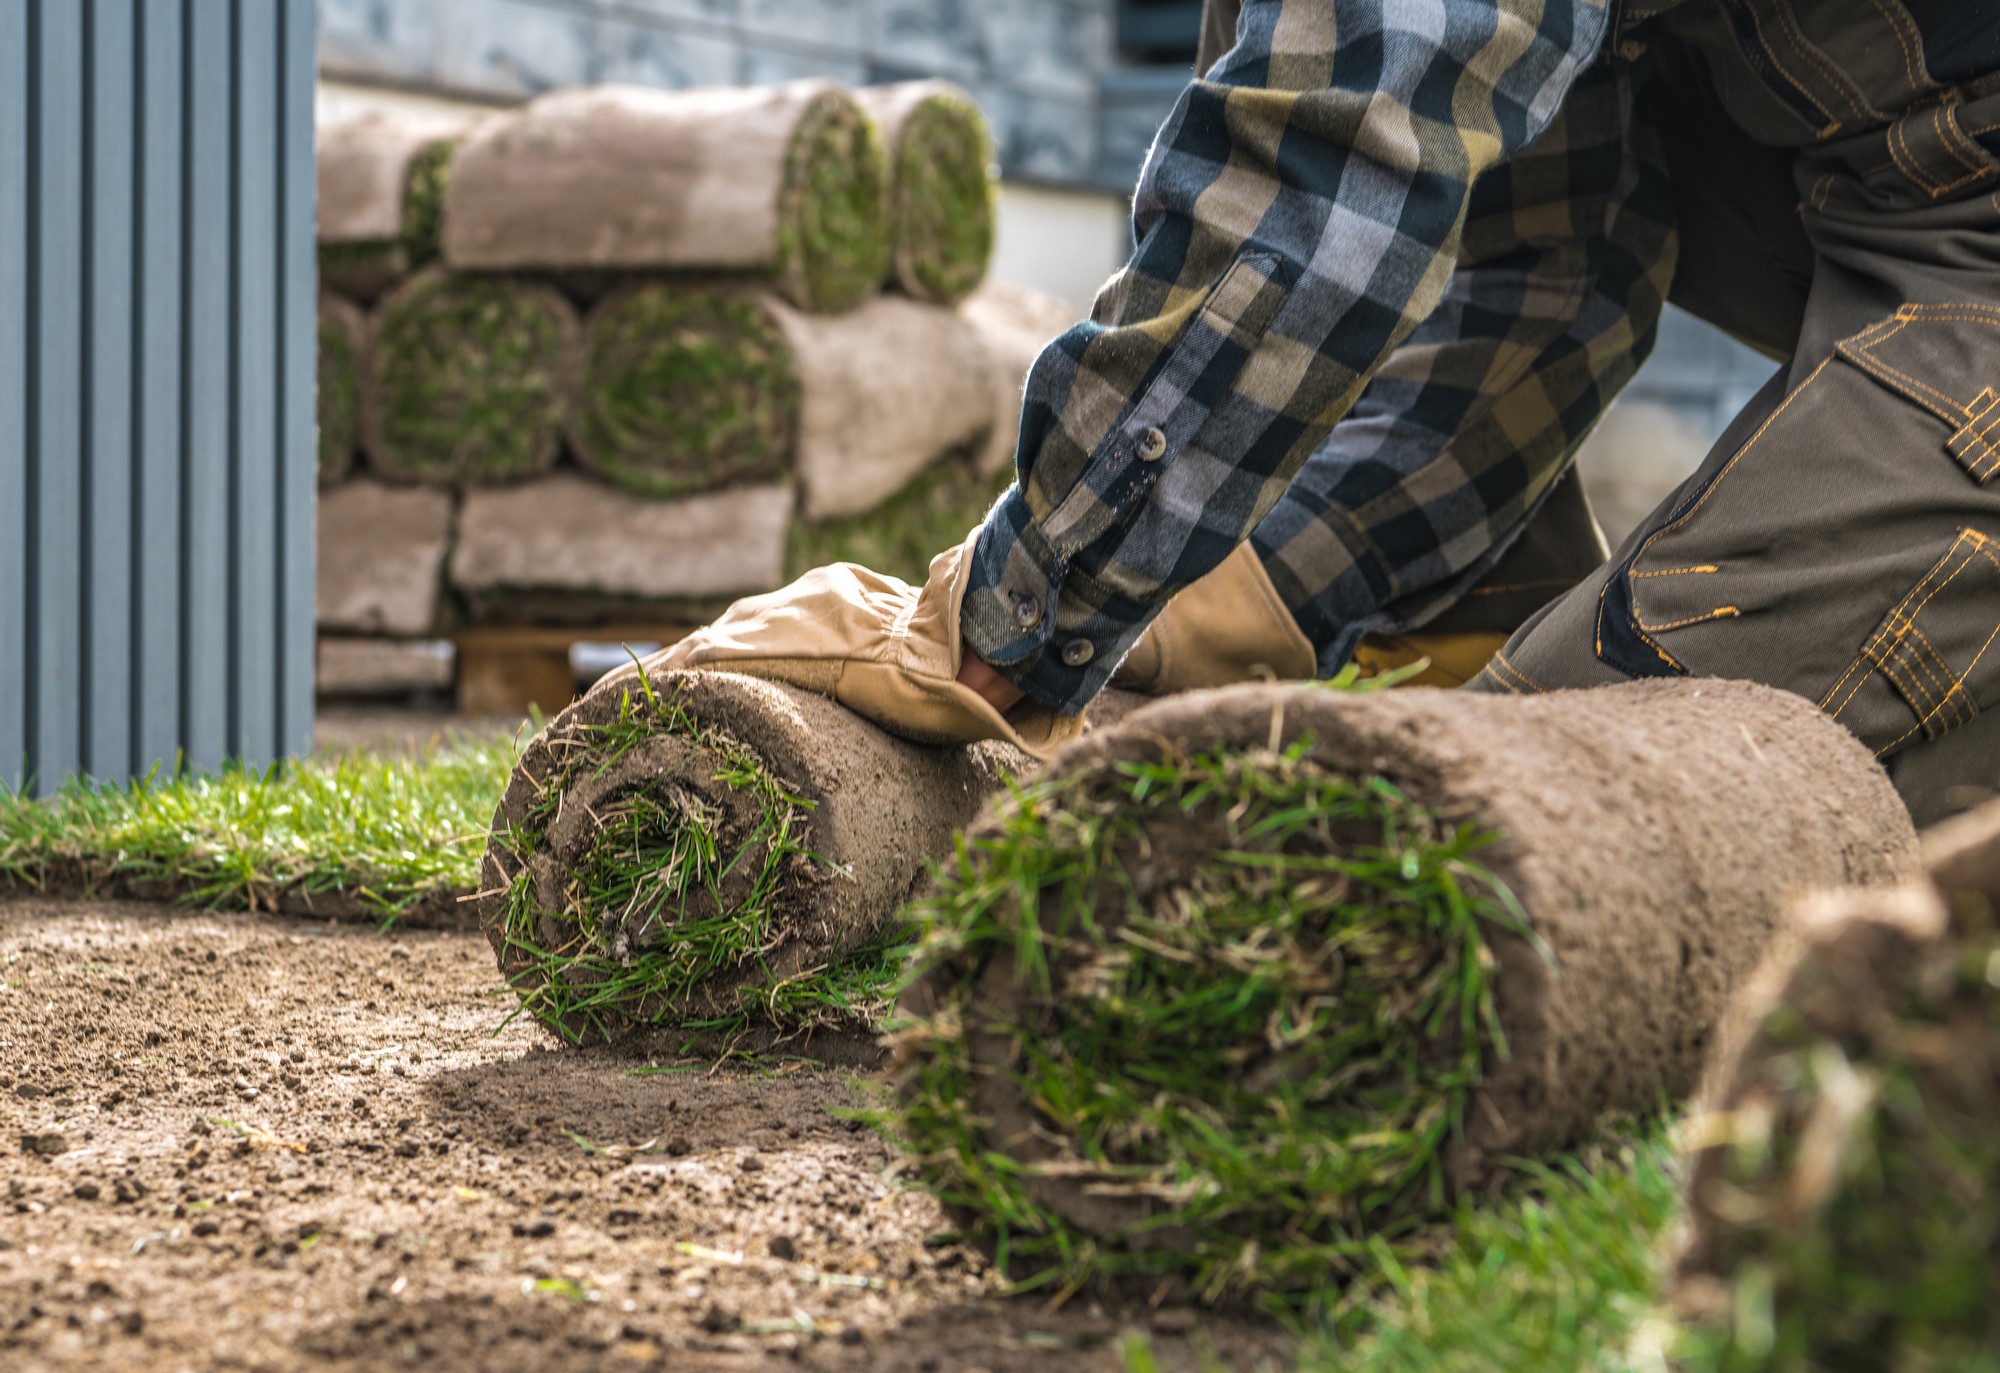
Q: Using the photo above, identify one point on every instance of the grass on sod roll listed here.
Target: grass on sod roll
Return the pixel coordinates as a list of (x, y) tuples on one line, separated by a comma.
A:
[(685, 390), (472, 378), (899, 537), (667, 864), (945, 197), (833, 208), (389, 829), (424, 191), (1862, 1183), (1275, 1045), (339, 398)]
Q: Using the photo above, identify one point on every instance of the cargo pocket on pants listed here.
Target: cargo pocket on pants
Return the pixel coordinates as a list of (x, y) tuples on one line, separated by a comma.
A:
[(1783, 557), (1931, 665)]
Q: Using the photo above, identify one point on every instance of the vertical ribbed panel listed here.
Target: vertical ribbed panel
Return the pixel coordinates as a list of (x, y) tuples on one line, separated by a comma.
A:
[(156, 375)]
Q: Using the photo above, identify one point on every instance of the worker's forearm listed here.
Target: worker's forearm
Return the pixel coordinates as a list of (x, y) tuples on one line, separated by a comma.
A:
[(1298, 217)]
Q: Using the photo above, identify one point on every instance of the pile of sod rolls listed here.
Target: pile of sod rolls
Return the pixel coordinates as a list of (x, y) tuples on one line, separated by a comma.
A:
[(620, 319), (1844, 1210), (1240, 998)]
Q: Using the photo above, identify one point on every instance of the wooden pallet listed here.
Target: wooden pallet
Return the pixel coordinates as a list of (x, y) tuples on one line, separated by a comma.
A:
[(511, 669)]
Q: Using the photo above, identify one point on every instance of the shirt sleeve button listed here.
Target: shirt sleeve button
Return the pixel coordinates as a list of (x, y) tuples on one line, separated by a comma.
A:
[(1027, 612), (1152, 445), (1077, 652)]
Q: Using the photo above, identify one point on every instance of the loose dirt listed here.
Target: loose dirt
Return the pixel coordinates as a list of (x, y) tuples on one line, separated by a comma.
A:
[(233, 1142)]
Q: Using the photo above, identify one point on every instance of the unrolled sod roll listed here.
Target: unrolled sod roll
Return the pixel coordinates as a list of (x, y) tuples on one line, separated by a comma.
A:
[(1844, 1205), (943, 196), (343, 341), (685, 389), (786, 182), (710, 849), (469, 379), (382, 177), (1273, 996), (884, 391), (1016, 324)]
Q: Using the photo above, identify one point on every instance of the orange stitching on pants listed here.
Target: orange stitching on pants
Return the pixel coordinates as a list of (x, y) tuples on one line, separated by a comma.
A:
[(1721, 612), (1694, 510), (1700, 569), (1502, 661), (1885, 639), (1905, 161), (1772, 53), (1807, 49), (1917, 83)]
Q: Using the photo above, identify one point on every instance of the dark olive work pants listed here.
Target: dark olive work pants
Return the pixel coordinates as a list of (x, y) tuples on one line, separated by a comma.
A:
[(1839, 209)]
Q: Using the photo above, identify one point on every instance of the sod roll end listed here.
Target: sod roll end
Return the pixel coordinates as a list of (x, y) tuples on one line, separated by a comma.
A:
[(708, 851), (343, 339), (685, 389), (469, 379), (943, 195), (787, 182), (381, 187), (1264, 977), (1844, 1200)]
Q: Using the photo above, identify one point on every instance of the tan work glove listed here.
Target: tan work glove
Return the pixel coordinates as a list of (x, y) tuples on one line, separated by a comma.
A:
[(1229, 626), (886, 650)]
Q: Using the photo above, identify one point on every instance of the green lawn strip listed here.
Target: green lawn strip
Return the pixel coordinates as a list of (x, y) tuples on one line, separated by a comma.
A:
[(390, 830), (1564, 1273)]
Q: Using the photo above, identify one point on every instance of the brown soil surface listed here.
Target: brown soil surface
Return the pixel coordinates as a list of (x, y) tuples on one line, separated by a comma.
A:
[(403, 1186)]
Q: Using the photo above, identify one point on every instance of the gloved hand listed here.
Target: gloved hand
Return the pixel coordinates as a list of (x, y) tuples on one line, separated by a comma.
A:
[(1229, 626), (886, 650)]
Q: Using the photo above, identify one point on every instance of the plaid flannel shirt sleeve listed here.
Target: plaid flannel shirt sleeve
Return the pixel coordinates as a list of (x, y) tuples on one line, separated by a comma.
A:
[(1298, 217)]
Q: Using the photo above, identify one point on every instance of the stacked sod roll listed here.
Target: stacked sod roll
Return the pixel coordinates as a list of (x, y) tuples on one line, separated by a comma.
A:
[(1246, 992), (641, 341), (1844, 1204), (941, 193)]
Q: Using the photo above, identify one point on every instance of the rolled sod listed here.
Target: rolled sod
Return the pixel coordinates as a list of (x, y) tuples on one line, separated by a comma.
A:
[(1844, 1212), (789, 183), (704, 851), (1246, 992), (343, 338), (381, 187), (685, 389), (469, 379), (943, 195), (885, 391), (1016, 325)]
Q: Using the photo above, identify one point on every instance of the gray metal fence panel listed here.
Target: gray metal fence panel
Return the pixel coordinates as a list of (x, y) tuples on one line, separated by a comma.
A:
[(156, 375), (14, 65)]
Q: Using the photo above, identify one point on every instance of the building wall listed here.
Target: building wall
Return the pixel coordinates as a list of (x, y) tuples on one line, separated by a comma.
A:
[(1037, 67), (156, 384)]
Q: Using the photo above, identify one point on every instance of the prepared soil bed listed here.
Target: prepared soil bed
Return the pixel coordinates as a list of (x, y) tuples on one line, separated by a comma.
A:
[(252, 1142)]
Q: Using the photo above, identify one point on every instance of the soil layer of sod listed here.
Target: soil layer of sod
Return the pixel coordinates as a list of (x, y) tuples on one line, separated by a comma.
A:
[(715, 854), (1846, 1212), (469, 379), (1249, 990), (685, 389)]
